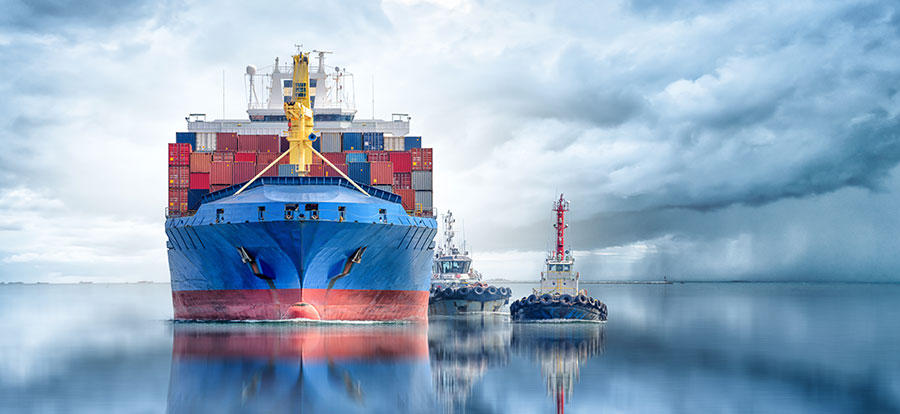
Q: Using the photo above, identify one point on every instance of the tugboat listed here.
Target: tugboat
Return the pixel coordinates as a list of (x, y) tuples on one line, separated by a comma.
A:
[(456, 288), (559, 296)]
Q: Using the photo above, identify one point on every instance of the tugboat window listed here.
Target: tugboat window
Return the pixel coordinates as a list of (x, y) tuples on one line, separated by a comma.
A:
[(453, 266)]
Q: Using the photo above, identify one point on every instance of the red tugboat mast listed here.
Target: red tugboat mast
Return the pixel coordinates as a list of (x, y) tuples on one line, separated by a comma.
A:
[(561, 207)]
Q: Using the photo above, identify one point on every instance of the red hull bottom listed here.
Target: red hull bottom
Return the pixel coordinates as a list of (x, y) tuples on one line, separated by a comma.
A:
[(273, 304)]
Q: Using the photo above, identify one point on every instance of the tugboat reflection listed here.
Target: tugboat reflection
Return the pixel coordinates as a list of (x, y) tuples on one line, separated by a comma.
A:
[(291, 368), (462, 349), (560, 349)]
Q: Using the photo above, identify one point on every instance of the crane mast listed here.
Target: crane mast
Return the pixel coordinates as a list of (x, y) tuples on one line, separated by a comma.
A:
[(298, 111)]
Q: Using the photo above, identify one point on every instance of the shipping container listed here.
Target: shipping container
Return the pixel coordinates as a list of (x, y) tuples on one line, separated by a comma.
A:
[(271, 172), (392, 143), (287, 170), (206, 142), (243, 171), (226, 141), (381, 172), (317, 144), (331, 142), (374, 156), (200, 162), (316, 170), (355, 156), (402, 181), (351, 141), (267, 143), (283, 144), (194, 198), (383, 188), (244, 156), (266, 158), (408, 198), (217, 187), (248, 143), (411, 142), (331, 172), (220, 173), (359, 172), (199, 181), (421, 180), (424, 200), (179, 154), (219, 156), (402, 162), (421, 159), (179, 177), (185, 138), (178, 200), (335, 157), (373, 141)]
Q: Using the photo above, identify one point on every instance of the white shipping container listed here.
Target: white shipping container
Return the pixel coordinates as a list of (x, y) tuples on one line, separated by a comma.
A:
[(331, 142), (206, 142), (393, 143), (424, 200), (422, 180)]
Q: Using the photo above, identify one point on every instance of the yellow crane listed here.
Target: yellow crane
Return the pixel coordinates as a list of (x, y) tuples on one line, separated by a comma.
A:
[(300, 134)]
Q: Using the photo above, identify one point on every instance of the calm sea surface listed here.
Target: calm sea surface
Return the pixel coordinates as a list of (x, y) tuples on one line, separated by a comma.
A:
[(682, 348)]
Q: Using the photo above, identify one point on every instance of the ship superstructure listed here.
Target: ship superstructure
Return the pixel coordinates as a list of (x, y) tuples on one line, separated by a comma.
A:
[(294, 214)]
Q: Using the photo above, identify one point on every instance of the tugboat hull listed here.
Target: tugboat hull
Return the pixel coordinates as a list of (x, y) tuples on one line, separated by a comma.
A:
[(536, 309), (456, 301)]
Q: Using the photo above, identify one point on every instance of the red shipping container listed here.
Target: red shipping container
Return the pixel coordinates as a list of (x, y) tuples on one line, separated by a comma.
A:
[(217, 187), (330, 172), (421, 159), (271, 172), (266, 158), (283, 144), (335, 157), (402, 161), (223, 156), (199, 181), (408, 198), (244, 156), (376, 156), (226, 141), (402, 181), (268, 143), (179, 177), (200, 162), (178, 200), (248, 143), (317, 170), (243, 171), (180, 154), (381, 173), (220, 172)]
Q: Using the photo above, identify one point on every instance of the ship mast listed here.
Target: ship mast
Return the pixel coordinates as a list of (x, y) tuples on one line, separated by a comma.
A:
[(560, 207), (298, 110)]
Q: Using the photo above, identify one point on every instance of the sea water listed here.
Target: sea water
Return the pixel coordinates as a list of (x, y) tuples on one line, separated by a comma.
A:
[(678, 348)]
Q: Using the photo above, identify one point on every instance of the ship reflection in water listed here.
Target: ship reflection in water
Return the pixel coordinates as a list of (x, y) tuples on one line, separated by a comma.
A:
[(291, 368)]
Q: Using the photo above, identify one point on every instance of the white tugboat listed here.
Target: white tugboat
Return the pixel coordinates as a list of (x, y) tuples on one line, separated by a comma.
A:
[(559, 296), (456, 287)]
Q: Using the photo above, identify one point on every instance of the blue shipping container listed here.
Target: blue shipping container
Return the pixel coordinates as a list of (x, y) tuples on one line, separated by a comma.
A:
[(194, 198), (352, 141), (287, 170), (356, 157), (411, 142), (359, 172), (373, 141), (186, 138)]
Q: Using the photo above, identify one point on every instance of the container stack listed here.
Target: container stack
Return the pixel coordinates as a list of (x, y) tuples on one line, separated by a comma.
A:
[(210, 161)]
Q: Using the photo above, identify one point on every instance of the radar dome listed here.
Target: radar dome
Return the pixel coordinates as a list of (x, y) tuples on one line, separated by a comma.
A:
[(251, 70)]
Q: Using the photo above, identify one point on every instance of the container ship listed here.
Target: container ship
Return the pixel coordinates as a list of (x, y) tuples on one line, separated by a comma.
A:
[(302, 210)]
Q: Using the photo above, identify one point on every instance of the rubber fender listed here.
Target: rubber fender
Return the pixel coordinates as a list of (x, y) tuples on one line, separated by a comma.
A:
[(478, 290), (583, 299), (532, 299), (546, 299), (492, 290), (566, 299), (447, 291), (463, 291)]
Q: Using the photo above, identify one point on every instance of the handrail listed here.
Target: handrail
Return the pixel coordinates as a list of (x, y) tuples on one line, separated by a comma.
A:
[(338, 181)]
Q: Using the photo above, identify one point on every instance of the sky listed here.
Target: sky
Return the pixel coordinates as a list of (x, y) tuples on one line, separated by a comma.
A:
[(696, 140)]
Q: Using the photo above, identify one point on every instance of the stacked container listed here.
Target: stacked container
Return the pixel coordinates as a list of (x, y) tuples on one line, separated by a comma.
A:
[(179, 177)]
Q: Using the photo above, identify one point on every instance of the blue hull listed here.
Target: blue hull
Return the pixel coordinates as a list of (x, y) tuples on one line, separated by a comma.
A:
[(290, 239)]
